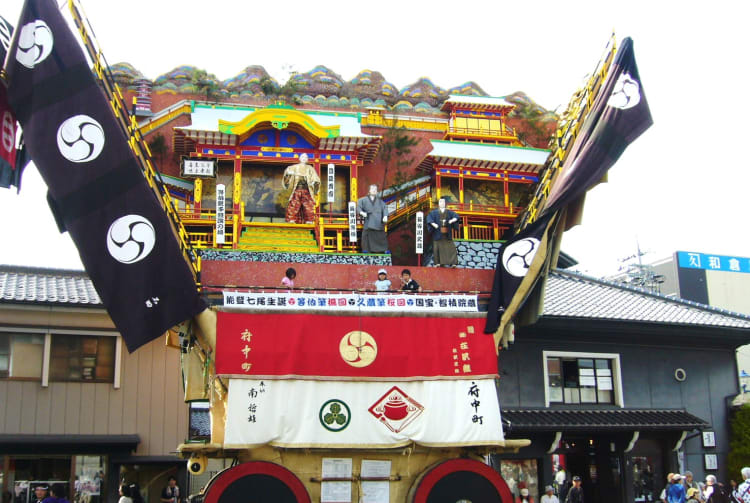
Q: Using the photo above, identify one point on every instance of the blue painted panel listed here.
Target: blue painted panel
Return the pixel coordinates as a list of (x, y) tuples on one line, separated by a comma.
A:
[(524, 177), (294, 140), (262, 138)]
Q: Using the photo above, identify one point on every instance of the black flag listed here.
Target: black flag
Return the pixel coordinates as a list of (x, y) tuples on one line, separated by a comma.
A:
[(514, 259), (10, 173), (121, 231), (618, 116)]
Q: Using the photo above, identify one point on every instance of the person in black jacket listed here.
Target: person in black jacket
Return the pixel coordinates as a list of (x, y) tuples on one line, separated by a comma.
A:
[(575, 494)]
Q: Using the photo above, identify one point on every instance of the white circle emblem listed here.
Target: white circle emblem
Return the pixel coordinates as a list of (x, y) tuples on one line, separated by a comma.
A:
[(517, 257), (626, 93), (34, 43), (130, 239), (80, 138)]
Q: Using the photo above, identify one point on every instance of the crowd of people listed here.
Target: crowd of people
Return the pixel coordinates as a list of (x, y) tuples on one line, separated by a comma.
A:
[(55, 493), (685, 489)]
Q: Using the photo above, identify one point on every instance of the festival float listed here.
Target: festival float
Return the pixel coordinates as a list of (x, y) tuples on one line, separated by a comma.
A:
[(325, 389)]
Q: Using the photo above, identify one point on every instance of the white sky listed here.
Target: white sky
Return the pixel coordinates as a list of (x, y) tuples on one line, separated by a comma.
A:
[(681, 186)]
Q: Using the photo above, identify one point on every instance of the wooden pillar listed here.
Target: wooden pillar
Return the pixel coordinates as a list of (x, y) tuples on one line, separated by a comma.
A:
[(197, 194), (461, 185), (316, 165), (237, 217), (506, 187), (237, 187), (6, 469), (437, 184), (353, 179)]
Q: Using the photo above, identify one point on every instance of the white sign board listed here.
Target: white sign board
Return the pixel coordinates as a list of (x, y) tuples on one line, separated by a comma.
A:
[(331, 179), (375, 302), (336, 491), (419, 233), (194, 167), (375, 491), (220, 208), (352, 221)]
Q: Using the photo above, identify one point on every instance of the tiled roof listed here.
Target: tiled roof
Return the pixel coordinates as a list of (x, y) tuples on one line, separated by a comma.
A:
[(38, 285), (572, 295), (488, 152), (476, 100), (200, 422), (600, 419)]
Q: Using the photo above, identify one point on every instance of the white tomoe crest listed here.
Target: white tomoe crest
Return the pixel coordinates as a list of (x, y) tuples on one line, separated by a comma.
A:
[(130, 239), (517, 257), (35, 43), (80, 138), (626, 93)]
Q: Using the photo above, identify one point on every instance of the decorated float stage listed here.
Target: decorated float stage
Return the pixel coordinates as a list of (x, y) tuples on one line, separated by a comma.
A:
[(326, 390)]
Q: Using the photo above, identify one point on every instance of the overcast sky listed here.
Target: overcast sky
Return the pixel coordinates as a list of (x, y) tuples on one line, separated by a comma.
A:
[(682, 186)]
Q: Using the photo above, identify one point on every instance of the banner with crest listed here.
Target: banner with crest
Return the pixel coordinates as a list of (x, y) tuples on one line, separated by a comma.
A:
[(362, 414)]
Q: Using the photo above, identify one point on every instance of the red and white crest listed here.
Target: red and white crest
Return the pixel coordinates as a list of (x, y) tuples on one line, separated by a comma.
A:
[(396, 410)]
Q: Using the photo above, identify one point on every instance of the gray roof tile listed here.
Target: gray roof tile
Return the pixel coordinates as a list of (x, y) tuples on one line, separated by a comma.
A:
[(573, 295), (599, 419), (48, 286)]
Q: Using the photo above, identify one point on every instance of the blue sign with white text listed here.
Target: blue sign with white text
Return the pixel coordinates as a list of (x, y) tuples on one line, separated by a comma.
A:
[(692, 260)]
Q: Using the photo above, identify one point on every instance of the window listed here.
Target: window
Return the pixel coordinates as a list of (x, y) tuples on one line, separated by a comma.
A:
[(21, 355), (82, 358), (574, 378)]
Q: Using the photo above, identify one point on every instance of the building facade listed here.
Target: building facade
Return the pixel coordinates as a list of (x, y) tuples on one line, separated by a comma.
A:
[(620, 387), (75, 407)]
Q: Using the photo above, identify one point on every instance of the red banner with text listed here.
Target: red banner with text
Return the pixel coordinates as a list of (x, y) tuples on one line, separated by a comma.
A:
[(352, 347)]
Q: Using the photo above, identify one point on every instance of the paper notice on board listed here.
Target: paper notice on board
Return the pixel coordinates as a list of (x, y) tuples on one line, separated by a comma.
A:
[(337, 468), (373, 468), (336, 491), (376, 491)]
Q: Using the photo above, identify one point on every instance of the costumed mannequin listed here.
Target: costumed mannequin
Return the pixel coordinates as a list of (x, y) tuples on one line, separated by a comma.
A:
[(305, 184), (375, 215), (442, 222)]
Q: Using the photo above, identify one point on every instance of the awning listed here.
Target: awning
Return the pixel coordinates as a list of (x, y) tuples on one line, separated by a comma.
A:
[(67, 444), (600, 420)]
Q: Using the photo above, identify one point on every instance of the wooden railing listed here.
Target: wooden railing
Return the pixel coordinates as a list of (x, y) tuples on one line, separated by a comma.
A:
[(485, 209), (333, 230), (397, 121), (505, 132), (403, 204)]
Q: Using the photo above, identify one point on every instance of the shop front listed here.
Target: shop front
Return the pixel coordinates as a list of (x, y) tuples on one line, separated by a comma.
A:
[(78, 463), (621, 456)]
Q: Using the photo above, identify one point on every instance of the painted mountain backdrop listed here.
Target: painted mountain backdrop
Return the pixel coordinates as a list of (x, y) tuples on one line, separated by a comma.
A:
[(320, 86)]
